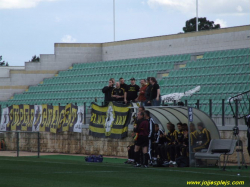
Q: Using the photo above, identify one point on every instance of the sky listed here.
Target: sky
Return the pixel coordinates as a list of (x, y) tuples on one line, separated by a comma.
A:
[(31, 27)]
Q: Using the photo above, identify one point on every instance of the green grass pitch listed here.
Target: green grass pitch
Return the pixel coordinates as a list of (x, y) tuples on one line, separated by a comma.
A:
[(73, 171)]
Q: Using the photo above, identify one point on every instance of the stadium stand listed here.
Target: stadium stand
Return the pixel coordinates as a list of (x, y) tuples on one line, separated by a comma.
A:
[(220, 74)]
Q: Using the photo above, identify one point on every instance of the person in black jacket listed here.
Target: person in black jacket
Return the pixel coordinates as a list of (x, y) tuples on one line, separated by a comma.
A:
[(107, 90), (155, 97), (147, 94)]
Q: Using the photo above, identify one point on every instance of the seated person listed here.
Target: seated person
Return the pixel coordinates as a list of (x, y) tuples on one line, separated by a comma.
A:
[(168, 149), (184, 147), (131, 153), (118, 93), (203, 138), (157, 142), (193, 134), (179, 141)]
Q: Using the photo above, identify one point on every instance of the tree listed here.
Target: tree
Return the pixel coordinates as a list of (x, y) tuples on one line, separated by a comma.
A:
[(35, 58), (2, 63), (203, 24)]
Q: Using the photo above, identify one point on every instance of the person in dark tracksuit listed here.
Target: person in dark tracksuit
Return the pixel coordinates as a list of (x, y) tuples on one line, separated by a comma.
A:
[(148, 92), (141, 128), (168, 149), (179, 141), (203, 138), (158, 141), (151, 133), (118, 93), (107, 90)]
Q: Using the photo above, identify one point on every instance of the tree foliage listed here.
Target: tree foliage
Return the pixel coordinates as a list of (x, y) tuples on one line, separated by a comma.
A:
[(3, 63), (203, 24), (35, 58)]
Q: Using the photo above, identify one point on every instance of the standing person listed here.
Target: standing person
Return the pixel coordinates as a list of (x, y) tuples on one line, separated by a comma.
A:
[(151, 133), (118, 93), (142, 92), (113, 82), (147, 94), (122, 83), (107, 90), (131, 92), (142, 141), (155, 97)]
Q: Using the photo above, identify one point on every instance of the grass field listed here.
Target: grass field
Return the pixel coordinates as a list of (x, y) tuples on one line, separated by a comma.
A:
[(73, 171)]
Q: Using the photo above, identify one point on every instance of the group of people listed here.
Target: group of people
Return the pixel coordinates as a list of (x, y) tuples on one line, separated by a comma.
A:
[(156, 146), (148, 93)]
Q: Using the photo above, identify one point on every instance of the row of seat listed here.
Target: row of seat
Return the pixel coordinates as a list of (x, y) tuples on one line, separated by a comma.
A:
[(133, 62), (215, 89), (226, 53), (206, 80), (218, 62), (114, 70), (229, 70), (98, 78), (58, 95)]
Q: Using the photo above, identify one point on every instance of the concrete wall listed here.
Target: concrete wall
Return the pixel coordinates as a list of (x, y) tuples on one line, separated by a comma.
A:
[(14, 80), (194, 42), (82, 143)]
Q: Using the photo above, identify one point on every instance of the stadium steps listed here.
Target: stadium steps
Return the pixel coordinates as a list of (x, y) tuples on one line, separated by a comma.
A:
[(220, 74)]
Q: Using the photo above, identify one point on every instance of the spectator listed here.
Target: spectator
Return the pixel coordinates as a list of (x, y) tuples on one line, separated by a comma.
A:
[(122, 83), (147, 94), (113, 82), (107, 90), (118, 93), (142, 141), (131, 92), (142, 91), (203, 138), (155, 97)]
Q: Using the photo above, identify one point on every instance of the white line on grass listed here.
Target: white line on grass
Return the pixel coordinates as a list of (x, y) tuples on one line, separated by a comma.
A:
[(114, 165)]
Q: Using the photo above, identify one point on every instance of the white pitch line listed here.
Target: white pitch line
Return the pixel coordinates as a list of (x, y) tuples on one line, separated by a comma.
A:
[(105, 165)]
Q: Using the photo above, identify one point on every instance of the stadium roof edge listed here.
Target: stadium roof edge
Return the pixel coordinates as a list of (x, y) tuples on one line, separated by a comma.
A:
[(157, 38)]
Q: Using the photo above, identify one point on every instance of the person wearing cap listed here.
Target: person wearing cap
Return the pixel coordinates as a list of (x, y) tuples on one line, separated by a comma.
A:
[(131, 92), (122, 83)]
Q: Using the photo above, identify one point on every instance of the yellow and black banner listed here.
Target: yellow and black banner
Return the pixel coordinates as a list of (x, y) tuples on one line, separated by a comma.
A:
[(110, 120), (44, 118)]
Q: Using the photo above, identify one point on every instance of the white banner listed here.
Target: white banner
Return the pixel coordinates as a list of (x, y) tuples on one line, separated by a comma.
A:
[(4, 119), (80, 119), (37, 118), (170, 98)]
